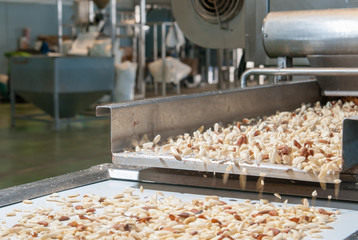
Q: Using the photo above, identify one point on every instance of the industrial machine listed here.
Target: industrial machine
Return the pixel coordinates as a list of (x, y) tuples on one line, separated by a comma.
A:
[(64, 86), (61, 86), (238, 24), (177, 115)]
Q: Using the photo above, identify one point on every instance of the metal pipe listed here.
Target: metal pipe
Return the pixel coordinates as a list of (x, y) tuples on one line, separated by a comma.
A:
[(135, 44), (219, 58), (113, 24), (311, 32), (163, 59), (12, 106), (207, 64), (56, 99), (155, 42), (155, 53), (298, 72), (141, 47), (227, 70), (59, 25)]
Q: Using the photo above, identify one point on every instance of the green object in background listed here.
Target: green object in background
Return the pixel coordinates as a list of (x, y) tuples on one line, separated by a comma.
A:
[(4, 91), (14, 54), (17, 53)]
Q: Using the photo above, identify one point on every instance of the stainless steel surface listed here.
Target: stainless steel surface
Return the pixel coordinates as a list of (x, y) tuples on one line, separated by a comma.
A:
[(61, 86), (172, 116), (183, 180), (334, 85), (258, 54), (347, 190), (59, 25), (337, 93), (350, 144), (229, 34), (302, 33), (144, 159), (344, 225), (103, 180), (255, 12), (298, 71), (56, 184)]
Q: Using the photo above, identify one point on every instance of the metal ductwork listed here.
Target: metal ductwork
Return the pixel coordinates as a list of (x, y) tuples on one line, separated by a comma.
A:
[(309, 32), (220, 23)]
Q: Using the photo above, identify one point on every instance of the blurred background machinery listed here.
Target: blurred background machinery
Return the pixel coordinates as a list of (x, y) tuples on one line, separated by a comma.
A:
[(157, 47)]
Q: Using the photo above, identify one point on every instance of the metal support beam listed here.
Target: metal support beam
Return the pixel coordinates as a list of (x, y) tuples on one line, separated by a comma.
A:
[(113, 15), (155, 53), (141, 48), (219, 57), (59, 25), (163, 59)]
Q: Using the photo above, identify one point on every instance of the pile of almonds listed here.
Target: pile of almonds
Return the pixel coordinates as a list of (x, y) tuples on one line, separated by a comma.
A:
[(308, 139), (127, 216)]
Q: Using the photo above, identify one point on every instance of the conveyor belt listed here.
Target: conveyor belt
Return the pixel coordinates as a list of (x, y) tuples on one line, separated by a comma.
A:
[(343, 226)]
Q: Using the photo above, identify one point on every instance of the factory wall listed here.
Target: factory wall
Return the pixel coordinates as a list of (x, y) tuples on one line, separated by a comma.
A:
[(40, 18)]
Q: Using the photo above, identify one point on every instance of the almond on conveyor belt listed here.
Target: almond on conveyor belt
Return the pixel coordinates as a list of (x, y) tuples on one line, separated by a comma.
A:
[(128, 217)]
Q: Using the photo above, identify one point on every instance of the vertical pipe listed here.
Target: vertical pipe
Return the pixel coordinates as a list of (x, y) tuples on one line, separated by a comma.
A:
[(219, 57), (56, 102), (227, 72), (180, 55), (113, 9), (91, 11), (163, 60), (135, 43), (155, 53), (236, 65), (207, 64), (141, 48), (59, 25), (13, 102), (155, 42)]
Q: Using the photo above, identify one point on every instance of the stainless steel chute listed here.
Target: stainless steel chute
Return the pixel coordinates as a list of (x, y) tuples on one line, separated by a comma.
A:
[(177, 115)]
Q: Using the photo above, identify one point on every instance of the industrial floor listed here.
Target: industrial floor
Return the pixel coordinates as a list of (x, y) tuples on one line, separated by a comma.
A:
[(32, 150)]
